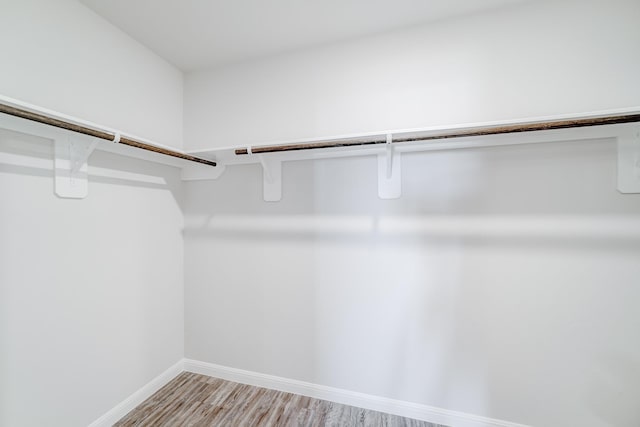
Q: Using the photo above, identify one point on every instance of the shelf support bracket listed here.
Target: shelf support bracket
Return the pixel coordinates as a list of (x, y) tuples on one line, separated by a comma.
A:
[(71, 156), (389, 172), (271, 179), (80, 156), (629, 162)]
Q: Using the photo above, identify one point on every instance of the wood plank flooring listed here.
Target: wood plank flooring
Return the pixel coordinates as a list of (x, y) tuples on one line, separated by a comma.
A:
[(197, 400)]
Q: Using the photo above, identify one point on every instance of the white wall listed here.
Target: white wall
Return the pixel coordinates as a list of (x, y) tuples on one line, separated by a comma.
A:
[(469, 294), (503, 283), (536, 59), (60, 55), (91, 291)]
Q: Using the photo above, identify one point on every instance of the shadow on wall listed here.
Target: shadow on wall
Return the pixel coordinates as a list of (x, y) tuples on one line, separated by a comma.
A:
[(582, 233), (30, 155)]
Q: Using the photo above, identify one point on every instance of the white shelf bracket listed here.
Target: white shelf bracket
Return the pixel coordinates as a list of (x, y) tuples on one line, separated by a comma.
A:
[(629, 162), (271, 179), (80, 156), (71, 156), (389, 172)]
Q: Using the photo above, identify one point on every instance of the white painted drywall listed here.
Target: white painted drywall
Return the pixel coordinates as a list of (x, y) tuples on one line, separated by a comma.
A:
[(203, 34), (91, 291), (60, 55), (503, 283), (534, 59)]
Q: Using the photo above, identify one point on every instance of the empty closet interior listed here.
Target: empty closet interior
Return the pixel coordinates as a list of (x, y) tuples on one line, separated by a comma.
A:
[(425, 209)]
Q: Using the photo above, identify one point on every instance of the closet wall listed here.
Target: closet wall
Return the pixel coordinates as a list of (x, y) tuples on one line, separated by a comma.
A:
[(91, 291), (502, 283), (536, 59), (61, 55)]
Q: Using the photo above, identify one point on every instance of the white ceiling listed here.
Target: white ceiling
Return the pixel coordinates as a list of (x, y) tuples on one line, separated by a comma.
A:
[(197, 34)]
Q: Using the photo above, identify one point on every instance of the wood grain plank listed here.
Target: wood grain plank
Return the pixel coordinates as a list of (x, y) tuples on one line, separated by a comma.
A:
[(192, 400)]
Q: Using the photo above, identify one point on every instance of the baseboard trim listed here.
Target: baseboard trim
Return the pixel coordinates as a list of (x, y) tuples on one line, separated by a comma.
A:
[(124, 407), (346, 397), (376, 403)]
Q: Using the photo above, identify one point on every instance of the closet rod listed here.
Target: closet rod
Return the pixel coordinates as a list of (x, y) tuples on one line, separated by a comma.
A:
[(482, 131), (62, 124)]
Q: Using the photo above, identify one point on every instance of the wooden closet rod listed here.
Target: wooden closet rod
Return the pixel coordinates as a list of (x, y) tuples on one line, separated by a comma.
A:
[(482, 131), (51, 121)]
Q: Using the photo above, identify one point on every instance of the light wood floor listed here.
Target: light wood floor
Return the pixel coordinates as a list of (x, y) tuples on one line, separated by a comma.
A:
[(198, 400)]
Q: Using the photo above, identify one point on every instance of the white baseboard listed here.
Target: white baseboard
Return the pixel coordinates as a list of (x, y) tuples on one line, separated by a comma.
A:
[(124, 407), (376, 403), (346, 397)]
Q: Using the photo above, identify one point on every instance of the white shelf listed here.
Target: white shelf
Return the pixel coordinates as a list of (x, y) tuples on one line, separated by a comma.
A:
[(73, 149), (389, 154)]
